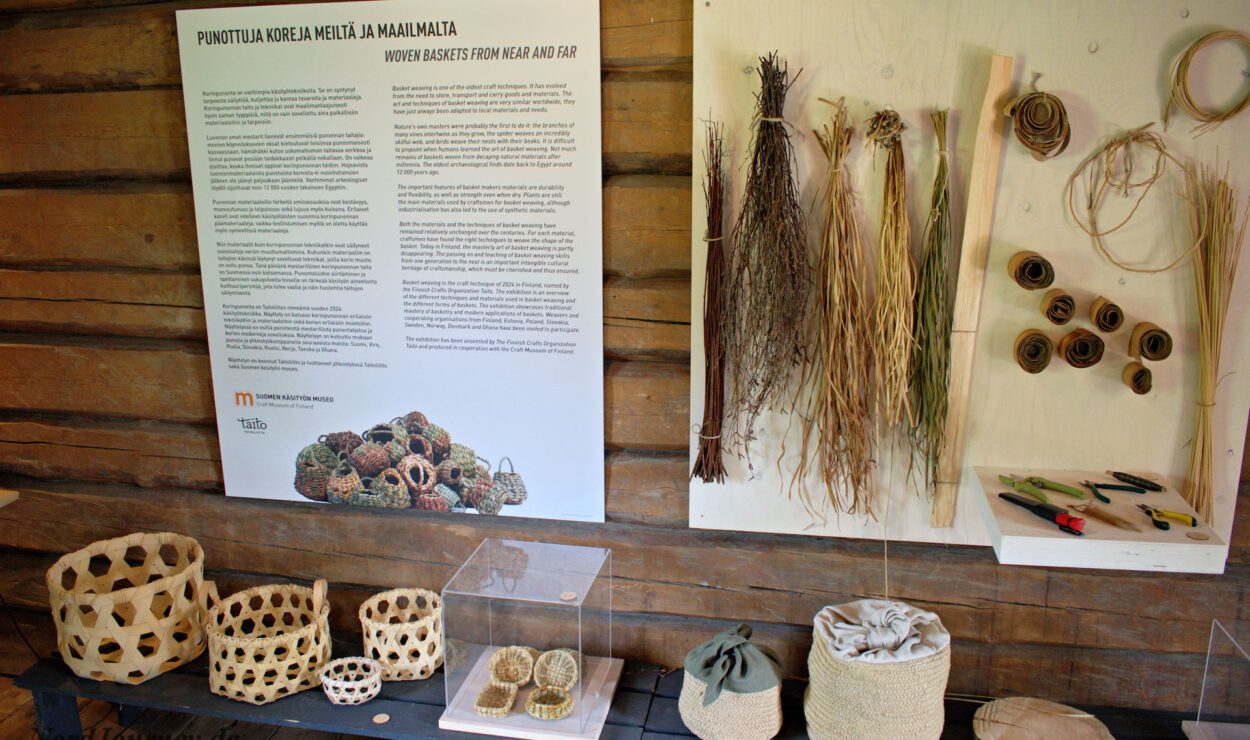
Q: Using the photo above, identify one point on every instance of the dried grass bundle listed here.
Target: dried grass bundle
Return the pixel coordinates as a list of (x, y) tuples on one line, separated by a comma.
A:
[(708, 464), (767, 265), (895, 287), (931, 351), (834, 397), (1213, 221)]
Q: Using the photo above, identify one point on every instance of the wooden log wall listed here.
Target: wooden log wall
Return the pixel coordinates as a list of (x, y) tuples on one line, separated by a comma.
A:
[(106, 421)]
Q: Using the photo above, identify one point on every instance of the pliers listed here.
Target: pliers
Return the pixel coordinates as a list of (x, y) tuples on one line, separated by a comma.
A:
[(1050, 485), (1098, 488), (1025, 486), (1158, 516)]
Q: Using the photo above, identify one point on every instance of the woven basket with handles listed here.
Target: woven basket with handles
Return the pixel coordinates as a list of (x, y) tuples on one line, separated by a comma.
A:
[(268, 642), (511, 487), (403, 631), (140, 617)]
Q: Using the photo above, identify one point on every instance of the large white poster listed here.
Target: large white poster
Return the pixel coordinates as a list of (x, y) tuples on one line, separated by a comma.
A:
[(399, 217)]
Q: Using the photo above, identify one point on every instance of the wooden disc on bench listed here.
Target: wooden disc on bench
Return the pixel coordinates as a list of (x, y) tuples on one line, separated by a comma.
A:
[(1026, 718)]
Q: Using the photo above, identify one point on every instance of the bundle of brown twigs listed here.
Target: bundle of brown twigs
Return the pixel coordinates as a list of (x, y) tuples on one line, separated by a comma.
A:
[(708, 464), (767, 266), (1213, 221), (834, 398), (931, 351), (893, 310)]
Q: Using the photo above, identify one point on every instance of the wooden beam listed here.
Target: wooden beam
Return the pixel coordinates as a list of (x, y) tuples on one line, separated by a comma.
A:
[(975, 250)]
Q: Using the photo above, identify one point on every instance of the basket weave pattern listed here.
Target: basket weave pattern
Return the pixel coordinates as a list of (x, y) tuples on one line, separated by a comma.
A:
[(268, 642), (351, 681), (858, 699), (549, 703), (556, 668), (402, 631), (129, 609), (513, 664), (732, 716), (495, 700)]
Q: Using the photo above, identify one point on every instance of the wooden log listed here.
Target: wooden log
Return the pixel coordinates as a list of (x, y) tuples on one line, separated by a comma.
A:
[(138, 46), (141, 134), (647, 403), (647, 488), (646, 227)]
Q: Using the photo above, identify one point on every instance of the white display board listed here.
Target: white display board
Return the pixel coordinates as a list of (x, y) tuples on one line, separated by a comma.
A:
[(399, 209), (1109, 62)]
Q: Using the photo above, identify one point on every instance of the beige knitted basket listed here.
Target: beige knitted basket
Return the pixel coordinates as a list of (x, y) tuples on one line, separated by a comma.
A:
[(556, 668), (495, 700), (403, 631), (513, 664), (131, 608), (732, 716), (549, 703), (351, 681), (268, 642), (858, 699)]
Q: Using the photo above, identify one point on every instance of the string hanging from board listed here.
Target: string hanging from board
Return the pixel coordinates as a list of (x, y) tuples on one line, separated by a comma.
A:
[(1058, 306), (931, 348), (709, 464), (1110, 169), (834, 396), (767, 266), (1213, 220), (893, 312), (1040, 122), (1032, 351), (1180, 97)]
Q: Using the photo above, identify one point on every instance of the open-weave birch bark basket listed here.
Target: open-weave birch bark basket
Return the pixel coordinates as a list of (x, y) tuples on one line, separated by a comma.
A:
[(268, 642), (130, 608), (877, 669), (403, 631)]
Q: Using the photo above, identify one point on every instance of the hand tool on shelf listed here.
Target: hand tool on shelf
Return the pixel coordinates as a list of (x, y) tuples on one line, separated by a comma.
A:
[(1090, 509), (1159, 516), (1059, 516), (1050, 485), (1115, 487), (1136, 480), (1093, 488), (1023, 486)]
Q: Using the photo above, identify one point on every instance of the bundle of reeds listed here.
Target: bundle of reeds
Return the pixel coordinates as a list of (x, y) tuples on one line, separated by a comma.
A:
[(708, 464), (767, 266), (895, 281), (1213, 222), (835, 397), (931, 350)]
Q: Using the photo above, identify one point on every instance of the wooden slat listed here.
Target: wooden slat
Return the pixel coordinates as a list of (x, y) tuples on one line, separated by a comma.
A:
[(138, 46), (142, 133), (646, 227), (646, 403), (647, 488)]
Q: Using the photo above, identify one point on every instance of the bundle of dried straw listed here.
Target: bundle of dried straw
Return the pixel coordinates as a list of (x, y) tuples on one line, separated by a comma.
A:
[(708, 464)]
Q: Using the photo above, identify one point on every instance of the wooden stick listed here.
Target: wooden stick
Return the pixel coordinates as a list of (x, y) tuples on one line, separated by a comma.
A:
[(974, 252)]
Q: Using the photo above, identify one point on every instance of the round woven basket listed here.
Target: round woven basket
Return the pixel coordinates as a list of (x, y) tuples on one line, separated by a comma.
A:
[(268, 642), (140, 617), (351, 681), (859, 699), (556, 668), (403, 632), (495, 700), (549, 703), (732, 716), (513, 664)]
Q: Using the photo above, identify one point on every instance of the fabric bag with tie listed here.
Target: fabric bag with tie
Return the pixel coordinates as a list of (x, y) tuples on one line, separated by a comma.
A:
[(732, 688)]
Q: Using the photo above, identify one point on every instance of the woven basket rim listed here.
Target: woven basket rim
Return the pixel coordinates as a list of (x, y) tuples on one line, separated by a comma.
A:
[(99, 547), (211, 630), (371, 669), (552, 698), (543, 664), (373, 601)]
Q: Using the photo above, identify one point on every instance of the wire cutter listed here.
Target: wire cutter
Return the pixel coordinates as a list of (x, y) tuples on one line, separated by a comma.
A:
[(1159, 516)]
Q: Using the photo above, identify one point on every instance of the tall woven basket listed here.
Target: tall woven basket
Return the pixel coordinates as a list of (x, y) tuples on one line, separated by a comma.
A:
[(268, 642), (403, 632), (129, 609), (850, 699), (733, 716)]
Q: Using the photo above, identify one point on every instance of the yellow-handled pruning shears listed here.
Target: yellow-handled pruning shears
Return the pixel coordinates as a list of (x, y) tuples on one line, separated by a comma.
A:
[(1159, 516)]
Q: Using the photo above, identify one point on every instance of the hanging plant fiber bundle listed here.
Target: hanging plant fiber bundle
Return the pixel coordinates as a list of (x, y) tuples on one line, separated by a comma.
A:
[(767, 265), (708, 464)]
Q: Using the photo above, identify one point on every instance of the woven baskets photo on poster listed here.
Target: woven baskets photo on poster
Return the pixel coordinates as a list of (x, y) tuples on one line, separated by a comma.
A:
[(369, 459), (341, 442), (387, 491), (512, 488), (312, 478), (317, 453), (403, 631), (268, 642), (351, 681), (343, 484), (859, 699), (131, 608), (733, 716), (417, 473)]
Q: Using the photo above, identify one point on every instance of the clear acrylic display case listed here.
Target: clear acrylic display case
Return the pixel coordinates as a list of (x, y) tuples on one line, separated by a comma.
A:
[(537, 595), (1224, 704)]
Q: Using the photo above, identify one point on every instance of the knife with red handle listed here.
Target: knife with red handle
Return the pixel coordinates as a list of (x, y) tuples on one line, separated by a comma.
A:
[(1057, 515)]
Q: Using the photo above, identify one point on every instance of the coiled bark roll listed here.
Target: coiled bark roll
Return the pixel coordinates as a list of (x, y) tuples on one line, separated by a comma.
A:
[(1058, 307), (1105, 315), (1031, 270), (1041, 124), (1137, 377), (1033, 350), (1081, 348), (1149, 342)]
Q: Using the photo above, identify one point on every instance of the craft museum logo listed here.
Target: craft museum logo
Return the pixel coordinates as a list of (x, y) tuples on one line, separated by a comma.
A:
[(243, 398), (279, 400)]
